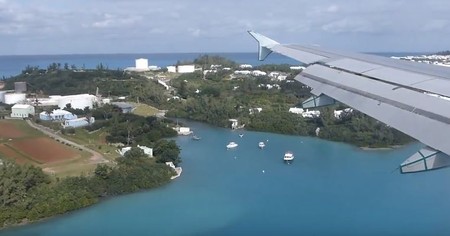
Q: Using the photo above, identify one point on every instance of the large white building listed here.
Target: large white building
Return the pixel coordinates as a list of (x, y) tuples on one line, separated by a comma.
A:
[(22, 111), (79, 101), (142, 64), (13, 98), (185, 68), (172, 69)]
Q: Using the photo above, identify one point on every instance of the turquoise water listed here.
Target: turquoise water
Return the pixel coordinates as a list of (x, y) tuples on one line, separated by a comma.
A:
[(330, 189)]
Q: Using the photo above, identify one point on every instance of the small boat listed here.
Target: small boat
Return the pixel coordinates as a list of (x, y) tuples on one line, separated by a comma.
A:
[(288, 156), (241, 135), (232, 145), (261, 145), (196, 138)]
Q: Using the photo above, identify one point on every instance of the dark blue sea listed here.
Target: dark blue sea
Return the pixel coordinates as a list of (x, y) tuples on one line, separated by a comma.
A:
[(13, 65), (330, 189)]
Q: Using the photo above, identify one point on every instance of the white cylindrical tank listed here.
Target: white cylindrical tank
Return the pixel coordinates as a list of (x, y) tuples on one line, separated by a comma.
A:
[(13, 98), (77, 101), (142, 64), (2, 96)]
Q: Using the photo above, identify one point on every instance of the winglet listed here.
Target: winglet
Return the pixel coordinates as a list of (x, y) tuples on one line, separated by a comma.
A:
[(264, 44)]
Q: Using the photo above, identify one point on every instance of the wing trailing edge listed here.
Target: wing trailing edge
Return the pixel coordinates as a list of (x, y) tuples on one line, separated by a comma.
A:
[(411, 97)]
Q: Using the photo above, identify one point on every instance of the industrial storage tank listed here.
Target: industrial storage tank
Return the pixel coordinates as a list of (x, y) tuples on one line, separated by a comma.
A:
[(2, 96), (13, 98), (20, 87), (77, 101)]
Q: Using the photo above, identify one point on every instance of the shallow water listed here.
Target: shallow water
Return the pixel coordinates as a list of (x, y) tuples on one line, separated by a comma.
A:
[(329, 189)]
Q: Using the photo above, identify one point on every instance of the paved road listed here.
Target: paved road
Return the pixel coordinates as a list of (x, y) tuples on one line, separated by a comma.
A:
[(96, 156)]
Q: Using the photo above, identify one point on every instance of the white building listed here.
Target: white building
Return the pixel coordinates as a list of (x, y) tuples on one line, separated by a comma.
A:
[(183, 130), (57, 115), (154, 68), (296, 110), (22, 111), (303, 113), (142, 64), (338, 114), (79, 122), (147, 151), (252, 111), (185, 68), (79, 101), (258, 73), (242, 72), (311, 114), (13, 98), (172, 69), (245, 66)]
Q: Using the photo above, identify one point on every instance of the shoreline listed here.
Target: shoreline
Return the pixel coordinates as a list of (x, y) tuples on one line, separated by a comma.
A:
[(381, 148)]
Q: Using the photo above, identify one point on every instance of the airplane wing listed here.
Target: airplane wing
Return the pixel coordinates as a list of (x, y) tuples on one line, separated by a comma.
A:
[(409, 96)]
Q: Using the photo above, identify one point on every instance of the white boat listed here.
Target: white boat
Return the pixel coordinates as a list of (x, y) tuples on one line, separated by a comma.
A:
[(232, 145), (261, 145), (241, 135), (288, 156)]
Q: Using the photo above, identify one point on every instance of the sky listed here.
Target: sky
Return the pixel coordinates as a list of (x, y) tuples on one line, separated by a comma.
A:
[(29, 27)]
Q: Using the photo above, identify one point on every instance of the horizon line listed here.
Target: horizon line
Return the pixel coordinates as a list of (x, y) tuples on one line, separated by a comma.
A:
[(137, 53)]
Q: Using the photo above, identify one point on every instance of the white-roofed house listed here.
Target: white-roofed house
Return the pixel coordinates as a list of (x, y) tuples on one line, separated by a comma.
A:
[(79, 122), (57, 115)]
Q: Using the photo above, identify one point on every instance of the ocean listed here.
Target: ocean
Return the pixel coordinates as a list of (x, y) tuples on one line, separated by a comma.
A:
[(13, 65), (330, 189)]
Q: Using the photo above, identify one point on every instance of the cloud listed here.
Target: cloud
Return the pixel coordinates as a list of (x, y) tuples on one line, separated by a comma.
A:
[(352, 25), (436, 25), (102, 26)]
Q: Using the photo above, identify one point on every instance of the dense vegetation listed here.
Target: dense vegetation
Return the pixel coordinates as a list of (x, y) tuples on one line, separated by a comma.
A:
[(60, 81), (227, 98), (214, 98), (27, 194)]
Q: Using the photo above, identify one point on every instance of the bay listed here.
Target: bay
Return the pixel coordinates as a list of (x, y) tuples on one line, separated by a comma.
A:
[(330, 189)]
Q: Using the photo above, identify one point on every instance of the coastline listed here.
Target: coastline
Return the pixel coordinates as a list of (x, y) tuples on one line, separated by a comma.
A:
[(26, 222), (381, 148)]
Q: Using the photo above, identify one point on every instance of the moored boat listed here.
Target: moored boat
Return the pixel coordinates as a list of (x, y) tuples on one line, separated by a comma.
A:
[(261, 145), (288, 156), (232, 145), (196, 138)]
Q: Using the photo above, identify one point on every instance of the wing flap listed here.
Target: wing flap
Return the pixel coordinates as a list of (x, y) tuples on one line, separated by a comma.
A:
[(427, 130)]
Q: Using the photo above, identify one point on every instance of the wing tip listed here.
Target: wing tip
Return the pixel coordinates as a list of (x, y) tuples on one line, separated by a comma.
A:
[(264, 44)]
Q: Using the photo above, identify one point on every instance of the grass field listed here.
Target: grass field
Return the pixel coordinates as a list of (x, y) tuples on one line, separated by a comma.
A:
[(144, 110), (94, 140), (26, 145)]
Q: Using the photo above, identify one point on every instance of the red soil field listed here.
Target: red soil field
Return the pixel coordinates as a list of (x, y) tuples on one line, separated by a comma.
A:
[(9, 130), (11, 154), (45, 150)]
